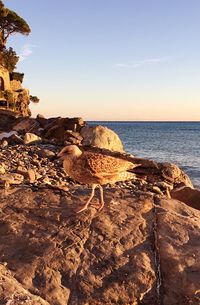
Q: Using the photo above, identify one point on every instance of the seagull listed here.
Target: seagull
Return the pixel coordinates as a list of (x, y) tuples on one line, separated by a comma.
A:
[(95, 169)]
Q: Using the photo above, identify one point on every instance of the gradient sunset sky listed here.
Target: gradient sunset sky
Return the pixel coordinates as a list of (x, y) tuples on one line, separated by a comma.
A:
[(111, 59)]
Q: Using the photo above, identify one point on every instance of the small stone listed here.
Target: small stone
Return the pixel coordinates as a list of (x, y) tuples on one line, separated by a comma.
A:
[(70, 134), (4, 143), (165, 185), (157, 190), (46, 180), (2, 169), (37, 176), (46, 153), (11, 178), (73, 140), (31, 138), (31, 175), (16, 139)]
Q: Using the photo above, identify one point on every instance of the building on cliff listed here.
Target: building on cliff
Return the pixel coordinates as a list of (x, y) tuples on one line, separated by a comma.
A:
[(13, 97)]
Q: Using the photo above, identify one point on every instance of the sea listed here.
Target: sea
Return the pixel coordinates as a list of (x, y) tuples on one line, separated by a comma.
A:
[(175, 142)]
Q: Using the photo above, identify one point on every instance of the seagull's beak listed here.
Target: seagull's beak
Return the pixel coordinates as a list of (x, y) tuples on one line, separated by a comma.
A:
[(61, 155)]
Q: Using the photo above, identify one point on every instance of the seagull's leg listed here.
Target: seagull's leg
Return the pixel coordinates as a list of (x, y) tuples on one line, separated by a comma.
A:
[(100, 205), (101, 197), (88, 202)]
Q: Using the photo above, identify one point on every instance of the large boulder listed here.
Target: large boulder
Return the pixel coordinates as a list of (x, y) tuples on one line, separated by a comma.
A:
[(26, 125), (139, 249), (58, 129), (188, 195), (154, 172), (177, 236), (7, 120), (102, 137)]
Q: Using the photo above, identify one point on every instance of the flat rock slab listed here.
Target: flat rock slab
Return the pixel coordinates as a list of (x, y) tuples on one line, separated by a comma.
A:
[(137, 250), (178, 232), (12, 292)]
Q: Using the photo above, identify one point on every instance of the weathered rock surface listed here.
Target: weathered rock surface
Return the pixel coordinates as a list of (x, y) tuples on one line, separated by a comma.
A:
[(178, 238), (12, 292), (102, 137), (11, 178), (188, 195), (7, 120), (141, 249), (54, 130)]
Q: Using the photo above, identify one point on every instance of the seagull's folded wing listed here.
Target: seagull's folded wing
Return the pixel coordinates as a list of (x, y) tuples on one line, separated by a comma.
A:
[(104, 164)]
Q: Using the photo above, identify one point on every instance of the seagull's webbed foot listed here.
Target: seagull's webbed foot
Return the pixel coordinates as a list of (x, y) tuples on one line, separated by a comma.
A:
[(81, 209)]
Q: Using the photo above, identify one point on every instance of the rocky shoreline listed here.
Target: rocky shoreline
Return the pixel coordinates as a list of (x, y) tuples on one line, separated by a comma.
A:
[(142, 248)]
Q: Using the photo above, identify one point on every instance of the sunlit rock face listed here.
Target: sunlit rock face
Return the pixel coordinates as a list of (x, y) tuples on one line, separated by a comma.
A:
[(13, 97), (140, 249), (102, 137), (5, 79)]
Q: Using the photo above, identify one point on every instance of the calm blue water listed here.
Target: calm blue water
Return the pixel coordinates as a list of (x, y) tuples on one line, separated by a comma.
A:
[(176, 142)]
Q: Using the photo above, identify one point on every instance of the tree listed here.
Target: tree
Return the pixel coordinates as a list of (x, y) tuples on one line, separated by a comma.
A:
[(8, 59), (34, 99), (11, 23)]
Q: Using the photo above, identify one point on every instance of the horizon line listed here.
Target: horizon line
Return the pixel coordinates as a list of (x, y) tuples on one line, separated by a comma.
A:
[(151, 121)]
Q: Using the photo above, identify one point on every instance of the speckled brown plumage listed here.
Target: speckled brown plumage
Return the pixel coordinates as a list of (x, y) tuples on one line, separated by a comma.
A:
[(94, 169)]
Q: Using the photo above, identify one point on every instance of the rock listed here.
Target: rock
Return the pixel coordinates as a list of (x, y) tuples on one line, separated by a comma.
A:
[(26, 125), (22, 99), (156, 173), (4, 143), (72, 134), (31, 175), (22, 171), (11, 178), (101, 137), (46, 153), (165, 185), (178, 241), (12, 292), (73, 124), (157, 190), (56, 132), (56, 127), (2, 169), (139, 251), (15, 139), (7, 120), (187, 195), (5, 135), (72, 140), (173, 173), (31, 138)]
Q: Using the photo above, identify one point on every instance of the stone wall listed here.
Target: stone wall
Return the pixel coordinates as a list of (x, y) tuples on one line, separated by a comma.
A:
[(12, 96), (4, 74)]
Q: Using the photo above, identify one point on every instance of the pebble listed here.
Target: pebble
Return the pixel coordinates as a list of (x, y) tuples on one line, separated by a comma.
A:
[(31, 175), (2, 169), (12, 178)]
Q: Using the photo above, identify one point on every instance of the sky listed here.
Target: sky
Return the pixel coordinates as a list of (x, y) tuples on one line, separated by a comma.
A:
[(111, 59)]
